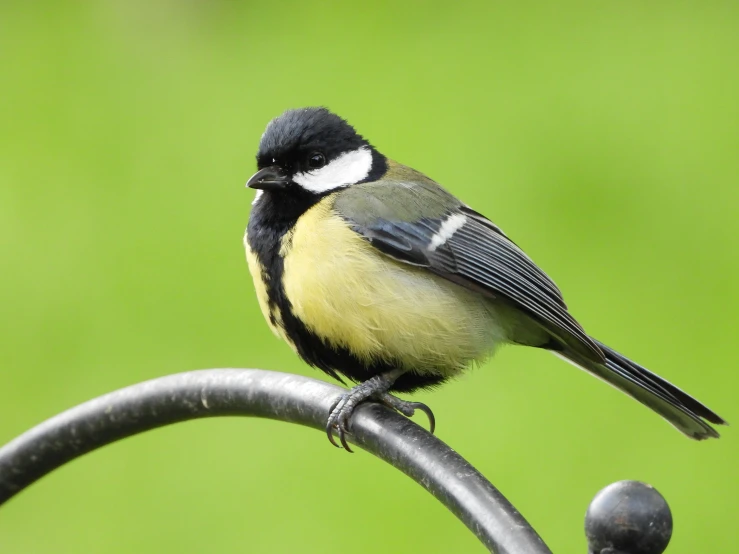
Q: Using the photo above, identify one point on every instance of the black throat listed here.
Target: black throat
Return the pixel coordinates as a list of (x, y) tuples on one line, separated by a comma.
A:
[(272, 216)]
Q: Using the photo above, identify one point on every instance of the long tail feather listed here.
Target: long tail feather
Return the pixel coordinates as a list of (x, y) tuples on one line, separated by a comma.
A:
[(683, 411)]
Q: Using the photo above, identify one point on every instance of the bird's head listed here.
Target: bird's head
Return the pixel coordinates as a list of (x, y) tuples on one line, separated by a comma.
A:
[(311, 151)]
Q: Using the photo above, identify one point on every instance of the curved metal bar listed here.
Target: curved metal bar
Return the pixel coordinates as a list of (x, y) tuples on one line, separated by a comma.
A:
[(292, 398)]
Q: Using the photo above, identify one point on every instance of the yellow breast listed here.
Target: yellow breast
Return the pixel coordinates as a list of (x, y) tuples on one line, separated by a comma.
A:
[(353, 296)]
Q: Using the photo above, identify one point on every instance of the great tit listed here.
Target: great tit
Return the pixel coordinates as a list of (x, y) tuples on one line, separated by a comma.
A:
[(372, 271)]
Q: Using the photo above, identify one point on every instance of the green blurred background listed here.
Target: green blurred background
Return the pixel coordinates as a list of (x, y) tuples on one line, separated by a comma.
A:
[(603, 137)]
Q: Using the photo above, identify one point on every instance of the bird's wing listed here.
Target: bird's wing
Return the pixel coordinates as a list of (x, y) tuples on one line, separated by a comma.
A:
[(415, 221)]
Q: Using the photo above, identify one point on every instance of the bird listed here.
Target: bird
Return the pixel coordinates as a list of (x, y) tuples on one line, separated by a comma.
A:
[(373, 272)]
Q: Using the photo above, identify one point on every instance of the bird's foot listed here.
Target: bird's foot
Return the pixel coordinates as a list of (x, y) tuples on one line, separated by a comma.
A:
[(343, 408), (407, 408), (375, 388)]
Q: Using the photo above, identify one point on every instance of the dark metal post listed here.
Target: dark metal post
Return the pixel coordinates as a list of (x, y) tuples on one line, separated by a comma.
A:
[(292, 398), (628, 517)]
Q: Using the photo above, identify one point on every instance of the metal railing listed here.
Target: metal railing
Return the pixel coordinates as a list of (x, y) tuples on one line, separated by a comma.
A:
[(625, 518)]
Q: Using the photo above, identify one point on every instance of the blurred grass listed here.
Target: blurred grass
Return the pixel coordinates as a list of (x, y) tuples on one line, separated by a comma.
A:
[(602, 137)]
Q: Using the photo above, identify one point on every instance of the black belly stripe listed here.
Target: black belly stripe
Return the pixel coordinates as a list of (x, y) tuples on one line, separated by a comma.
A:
[(271, 219)]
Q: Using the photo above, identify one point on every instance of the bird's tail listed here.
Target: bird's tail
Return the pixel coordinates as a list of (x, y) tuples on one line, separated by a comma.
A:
[(680, 409)]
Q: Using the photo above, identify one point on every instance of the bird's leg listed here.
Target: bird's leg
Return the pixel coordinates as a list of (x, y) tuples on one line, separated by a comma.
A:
[(375, 388)]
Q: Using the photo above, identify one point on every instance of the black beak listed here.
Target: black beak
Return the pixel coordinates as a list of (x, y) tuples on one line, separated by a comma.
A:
[(269, 178)]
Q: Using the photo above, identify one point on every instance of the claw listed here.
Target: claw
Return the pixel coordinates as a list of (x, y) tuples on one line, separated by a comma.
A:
[(338, 419), (429, 414), (330, 424), (408, 408), (342, 438), (330, 434)]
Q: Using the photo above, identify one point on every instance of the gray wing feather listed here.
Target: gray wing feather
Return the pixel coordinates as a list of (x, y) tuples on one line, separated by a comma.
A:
[(478, 255)]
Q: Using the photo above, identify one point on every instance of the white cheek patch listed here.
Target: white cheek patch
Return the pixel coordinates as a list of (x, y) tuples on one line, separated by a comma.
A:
[(347, 169), (450, 225), (257, 196)]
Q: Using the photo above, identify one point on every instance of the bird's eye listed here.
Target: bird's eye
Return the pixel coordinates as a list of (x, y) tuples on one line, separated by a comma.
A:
[(316, 160)]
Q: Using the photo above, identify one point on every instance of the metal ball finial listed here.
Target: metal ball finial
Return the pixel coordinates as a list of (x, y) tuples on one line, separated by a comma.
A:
[(628, 517)]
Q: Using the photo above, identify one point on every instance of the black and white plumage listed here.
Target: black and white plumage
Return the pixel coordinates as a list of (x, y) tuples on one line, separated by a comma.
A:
[(372, 271)]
